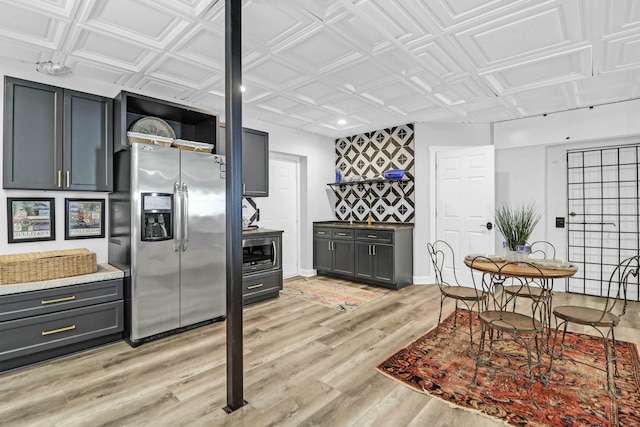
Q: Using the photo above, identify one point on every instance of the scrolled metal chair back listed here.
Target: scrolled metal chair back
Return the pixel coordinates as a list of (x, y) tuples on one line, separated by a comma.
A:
[(440, 251), (542, 249), (618, 285)]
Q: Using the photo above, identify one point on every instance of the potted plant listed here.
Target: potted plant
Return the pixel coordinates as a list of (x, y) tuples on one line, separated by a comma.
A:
[(517, 224)]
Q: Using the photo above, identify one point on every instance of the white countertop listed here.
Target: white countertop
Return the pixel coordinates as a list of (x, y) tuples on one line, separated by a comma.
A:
[(105, 272)]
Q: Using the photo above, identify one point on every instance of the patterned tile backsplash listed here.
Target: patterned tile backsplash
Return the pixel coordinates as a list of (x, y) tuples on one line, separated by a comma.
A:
[(368, 155)]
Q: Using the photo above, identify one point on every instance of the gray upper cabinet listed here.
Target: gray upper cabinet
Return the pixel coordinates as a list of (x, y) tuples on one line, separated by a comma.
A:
[(56, 139), (255, 161)]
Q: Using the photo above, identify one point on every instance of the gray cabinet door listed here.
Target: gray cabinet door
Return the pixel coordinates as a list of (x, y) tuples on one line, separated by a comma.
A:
[(88, 142), (343, 257), (364, 261), (384, 261), (322, 254), (56, 139), (32, 131), (255, 163)]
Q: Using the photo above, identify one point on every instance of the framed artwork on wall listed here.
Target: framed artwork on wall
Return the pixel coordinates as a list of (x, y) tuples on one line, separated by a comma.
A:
[(30, 219), (84, 218)]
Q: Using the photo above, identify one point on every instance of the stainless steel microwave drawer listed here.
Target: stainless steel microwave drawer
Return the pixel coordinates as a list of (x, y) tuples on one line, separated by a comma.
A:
[(34, 303), (262, 282), (39, 333), (375, 236)]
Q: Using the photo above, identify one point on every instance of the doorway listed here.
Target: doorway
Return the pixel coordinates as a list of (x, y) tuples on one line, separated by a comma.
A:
[(464, 200), (280, 211)]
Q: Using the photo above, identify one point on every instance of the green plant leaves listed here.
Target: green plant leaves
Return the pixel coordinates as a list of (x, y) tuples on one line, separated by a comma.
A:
[(517, 224)]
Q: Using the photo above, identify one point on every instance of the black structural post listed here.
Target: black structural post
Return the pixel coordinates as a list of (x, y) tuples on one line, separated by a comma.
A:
[(233, 114)]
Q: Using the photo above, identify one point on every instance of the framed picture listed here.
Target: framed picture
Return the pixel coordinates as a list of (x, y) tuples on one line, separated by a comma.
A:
[(84, 218), (31, 219)]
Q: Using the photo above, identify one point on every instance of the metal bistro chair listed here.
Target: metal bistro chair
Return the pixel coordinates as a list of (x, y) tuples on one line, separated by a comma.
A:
[(605, 318), (539, 250), (499, 325), (440, 251)]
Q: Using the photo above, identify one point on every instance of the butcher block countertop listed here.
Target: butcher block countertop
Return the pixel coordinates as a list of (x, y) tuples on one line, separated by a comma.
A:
[(105, 272)]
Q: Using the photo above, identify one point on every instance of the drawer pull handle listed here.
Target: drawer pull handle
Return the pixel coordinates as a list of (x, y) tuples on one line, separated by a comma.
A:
[(53, 301), (56, 331), (371, 236), (321, 232), (342, 234), (259, 285)]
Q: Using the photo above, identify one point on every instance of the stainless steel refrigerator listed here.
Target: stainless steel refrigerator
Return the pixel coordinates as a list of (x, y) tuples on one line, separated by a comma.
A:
[(167, 232)]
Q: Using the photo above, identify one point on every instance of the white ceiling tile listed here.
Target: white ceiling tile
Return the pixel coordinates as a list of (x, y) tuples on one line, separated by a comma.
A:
[(412, 103), (100, 47), (267, 22), (544, 99), (390, 91), (161, 88), (33, 27), (181, 72), (271, 73), (319, 51), (25, 52), (549, 70), (90, 69), (521, 34), (204, 47), (622, 53), (317, 91), (623, 15), (279, 104)]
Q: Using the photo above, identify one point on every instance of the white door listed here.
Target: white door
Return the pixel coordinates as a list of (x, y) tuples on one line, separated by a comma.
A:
[(465, 199), (279, 211)]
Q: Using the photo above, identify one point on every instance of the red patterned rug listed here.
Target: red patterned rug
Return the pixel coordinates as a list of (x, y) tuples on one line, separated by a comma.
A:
[(576, 395)]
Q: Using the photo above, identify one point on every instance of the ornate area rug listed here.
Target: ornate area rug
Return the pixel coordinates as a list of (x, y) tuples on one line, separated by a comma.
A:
[(340, 295), (576, 395)]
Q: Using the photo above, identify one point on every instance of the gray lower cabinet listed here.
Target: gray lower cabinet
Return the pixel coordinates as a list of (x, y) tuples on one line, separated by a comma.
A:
[(39, 325), (56, 139), (333, 250), (379, 257)]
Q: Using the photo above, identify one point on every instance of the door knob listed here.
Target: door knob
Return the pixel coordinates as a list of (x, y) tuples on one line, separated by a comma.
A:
[(488, 225)]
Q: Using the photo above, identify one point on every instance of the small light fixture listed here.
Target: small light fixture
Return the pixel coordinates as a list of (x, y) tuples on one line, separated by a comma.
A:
[(342, 122), (243, 89), (51, 68)]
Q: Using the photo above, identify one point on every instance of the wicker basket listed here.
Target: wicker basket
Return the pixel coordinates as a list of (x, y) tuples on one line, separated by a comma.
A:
[(202, 147), (141, 138), (36, 266)]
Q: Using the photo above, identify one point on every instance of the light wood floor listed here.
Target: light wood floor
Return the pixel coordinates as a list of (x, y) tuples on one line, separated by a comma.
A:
[(304, 365)]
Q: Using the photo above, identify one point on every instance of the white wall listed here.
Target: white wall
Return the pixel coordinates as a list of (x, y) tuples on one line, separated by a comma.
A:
[(435, 135), (316, 154), (531, 159)]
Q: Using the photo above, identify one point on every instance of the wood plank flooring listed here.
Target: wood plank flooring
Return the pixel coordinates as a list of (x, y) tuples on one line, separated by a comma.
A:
[(305, 365)]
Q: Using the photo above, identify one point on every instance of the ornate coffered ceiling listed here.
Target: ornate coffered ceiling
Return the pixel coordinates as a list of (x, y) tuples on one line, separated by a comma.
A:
[(374, 63)]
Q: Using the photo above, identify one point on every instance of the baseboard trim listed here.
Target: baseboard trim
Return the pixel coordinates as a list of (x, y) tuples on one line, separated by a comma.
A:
[(423, 280), (307, 273)]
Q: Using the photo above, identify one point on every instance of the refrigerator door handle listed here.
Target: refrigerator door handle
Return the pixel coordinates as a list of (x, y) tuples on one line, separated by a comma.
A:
[(177, 228), (185, 216)]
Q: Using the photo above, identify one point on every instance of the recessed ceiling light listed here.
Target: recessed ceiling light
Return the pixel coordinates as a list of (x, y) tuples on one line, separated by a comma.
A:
[(243, 89), (342, 122)]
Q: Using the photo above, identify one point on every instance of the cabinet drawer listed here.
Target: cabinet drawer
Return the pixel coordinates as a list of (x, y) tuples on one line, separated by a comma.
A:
[(262, 282), (322, 232), (375, 236), (34, 303), (342, 233), (39, 333)]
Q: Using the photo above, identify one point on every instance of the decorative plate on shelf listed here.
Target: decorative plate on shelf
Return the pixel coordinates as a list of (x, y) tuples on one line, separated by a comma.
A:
[(492, 257), (153, 126), (553, 264)]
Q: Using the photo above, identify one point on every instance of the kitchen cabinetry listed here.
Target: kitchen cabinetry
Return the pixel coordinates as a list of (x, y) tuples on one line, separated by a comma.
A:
[(262, 285), (188, 123), (375, 255), (56, 139), (42, 324), (255, 161), (333, 250)]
